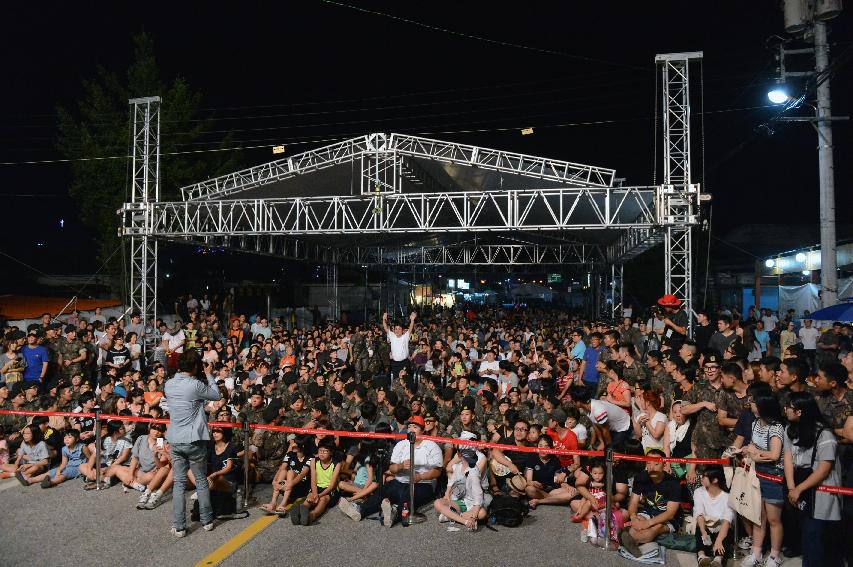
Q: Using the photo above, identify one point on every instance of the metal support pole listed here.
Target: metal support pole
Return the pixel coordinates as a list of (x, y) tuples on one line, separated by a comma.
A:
[(608, 509), (246, 451), (828, 269), (412, 439), (735, 539), (97, 447)]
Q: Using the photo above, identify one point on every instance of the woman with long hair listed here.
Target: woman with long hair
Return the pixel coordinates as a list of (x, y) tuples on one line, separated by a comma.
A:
[(810, 460), (766, 451)]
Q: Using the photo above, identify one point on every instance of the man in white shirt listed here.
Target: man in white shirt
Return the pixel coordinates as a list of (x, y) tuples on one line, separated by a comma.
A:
[(489, 367), (429, 461), (612, 424), (175, 339), (399, 343), (808, 336), (261, 327)]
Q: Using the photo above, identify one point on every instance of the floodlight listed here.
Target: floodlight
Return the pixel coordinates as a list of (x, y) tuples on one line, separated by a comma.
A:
[(778, 95), (769, 263), (800, 257), (807, 272)]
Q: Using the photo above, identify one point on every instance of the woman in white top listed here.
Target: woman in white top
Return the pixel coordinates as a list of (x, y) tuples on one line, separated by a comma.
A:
[(810, 461), (713, 518), (650, 422)]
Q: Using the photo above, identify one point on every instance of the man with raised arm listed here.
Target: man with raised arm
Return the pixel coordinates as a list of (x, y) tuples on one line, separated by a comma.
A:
[(399, 342)]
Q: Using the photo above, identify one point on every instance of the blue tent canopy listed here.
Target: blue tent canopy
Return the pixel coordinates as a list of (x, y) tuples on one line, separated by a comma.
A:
[(840, 312)]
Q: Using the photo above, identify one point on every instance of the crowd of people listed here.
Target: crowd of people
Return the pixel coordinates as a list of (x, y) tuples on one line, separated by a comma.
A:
[(779, 392)]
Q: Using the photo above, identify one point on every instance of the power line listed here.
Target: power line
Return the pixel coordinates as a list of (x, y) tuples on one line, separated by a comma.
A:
[(485, 39)]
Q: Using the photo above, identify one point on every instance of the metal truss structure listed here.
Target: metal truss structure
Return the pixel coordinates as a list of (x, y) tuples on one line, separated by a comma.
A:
[(382, 159), (679, 196), (463, 211), (333, 204), (145, 189)]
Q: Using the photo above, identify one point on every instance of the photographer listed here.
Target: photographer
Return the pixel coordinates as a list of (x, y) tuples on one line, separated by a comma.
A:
[(675, 321), (188, 435)]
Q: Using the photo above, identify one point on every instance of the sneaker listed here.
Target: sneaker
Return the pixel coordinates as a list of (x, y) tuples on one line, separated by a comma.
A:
[(153, 500), (295, 512), (773, 561), (751, 560), (704, 561), (584, 536), (208, 527), (745, 542), (442, 519), (388, 513), (716, 562), (45, 482), (350, 509), (138, 486), (629, 544), (143, 498), (179, 533), (304, 515), (20, 476)]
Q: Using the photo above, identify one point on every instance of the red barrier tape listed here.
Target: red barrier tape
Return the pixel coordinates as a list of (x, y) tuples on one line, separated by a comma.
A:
[(47, 413), (822, 488), (516, 448), (691, 461), (329, 432)]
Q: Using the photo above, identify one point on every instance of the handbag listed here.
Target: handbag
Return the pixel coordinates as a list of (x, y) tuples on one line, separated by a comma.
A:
[(745, 495)]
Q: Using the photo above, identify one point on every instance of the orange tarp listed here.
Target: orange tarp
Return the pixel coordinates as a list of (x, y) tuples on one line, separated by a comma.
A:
[(14, 307)]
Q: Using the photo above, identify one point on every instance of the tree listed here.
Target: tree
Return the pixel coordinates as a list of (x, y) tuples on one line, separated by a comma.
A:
[(100, 127)]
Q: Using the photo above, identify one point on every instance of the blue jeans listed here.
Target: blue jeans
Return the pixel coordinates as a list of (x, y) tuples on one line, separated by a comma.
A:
[(190, 456)]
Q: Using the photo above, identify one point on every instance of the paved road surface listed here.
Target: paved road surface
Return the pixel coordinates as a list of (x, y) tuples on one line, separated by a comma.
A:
[(104, 528)]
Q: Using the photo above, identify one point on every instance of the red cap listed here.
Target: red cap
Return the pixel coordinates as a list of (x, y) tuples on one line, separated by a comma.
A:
[(669, 300), (417, 420)]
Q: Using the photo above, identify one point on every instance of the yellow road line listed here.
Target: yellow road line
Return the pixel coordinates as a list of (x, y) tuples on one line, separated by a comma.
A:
[(236, 542)]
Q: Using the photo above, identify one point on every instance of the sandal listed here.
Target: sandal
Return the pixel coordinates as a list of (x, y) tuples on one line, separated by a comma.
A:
[(282, 510), (267, 508), (576, 519)]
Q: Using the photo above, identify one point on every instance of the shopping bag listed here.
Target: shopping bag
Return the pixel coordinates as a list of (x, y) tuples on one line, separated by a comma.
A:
[(745, 494)]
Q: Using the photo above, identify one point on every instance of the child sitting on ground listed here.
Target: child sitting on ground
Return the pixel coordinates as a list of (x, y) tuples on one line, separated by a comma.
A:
[(463, 501), (363, 482), (73, 455), (33, 456), (324, 485)]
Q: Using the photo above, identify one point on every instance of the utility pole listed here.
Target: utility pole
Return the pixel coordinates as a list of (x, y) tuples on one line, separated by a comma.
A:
[(828, 269), (809, 17)]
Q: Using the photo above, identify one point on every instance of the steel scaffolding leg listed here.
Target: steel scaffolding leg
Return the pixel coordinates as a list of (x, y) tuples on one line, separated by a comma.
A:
[(145, 188), (680, 198), (616, 290)]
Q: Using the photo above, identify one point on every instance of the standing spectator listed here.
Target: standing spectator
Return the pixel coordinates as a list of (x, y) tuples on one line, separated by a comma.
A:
[(829, 344), (787, 339), (36, 358), (175, 340), (766, 450), (808, 336), (810, 460), (189, 437), (399, 342)]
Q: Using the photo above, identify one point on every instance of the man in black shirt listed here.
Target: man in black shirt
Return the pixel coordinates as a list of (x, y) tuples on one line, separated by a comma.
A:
[(508, 463), (703, 331), (655, 506)]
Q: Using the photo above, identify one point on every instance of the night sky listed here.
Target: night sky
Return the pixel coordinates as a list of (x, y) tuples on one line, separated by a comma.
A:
[(301, 73)]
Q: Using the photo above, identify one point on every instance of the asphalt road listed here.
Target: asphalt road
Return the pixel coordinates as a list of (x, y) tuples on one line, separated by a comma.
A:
[(68, 526)]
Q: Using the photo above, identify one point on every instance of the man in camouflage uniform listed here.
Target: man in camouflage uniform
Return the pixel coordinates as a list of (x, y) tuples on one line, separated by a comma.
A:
[(337, 415), (465, 422), (297, 415), (13, 424), (632, 371), (72, 354), (445, 410), (272, 445), (254, 410), (834, 399), (709, 438), (486, 409), (608, 353), (53, 343), (31, 396), (657, 375)]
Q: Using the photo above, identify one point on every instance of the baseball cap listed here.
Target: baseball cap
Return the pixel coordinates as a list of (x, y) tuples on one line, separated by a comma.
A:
[(558, 415), (417, 420)]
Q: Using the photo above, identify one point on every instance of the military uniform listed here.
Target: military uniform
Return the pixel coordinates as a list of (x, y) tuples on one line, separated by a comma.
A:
[(834, 411), (456, 429), (444, 415), (708, 437), (338, 418), (272, 446), (53, 347), (253, 415), (296, 419), (70, 350), (634, 373), (734, 407)]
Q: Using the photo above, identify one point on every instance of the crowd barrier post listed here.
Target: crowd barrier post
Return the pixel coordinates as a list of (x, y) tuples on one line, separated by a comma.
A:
[(246, 444), (736, 522), (412, 439), (608, 507), (97, 410)]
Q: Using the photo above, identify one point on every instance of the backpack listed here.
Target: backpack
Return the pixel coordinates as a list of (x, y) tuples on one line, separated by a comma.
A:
[(507, 511), (224, 507)]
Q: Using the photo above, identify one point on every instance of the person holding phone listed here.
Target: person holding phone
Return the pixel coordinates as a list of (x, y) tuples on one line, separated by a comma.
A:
[(189, 437)]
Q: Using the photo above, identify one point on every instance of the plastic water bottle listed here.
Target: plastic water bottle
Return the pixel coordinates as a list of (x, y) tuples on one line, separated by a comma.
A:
[(493, 519), (404, 515)]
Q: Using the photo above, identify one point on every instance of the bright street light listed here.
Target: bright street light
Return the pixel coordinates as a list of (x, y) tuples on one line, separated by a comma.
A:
[(769, 263), (778, 96), (800, 257)]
